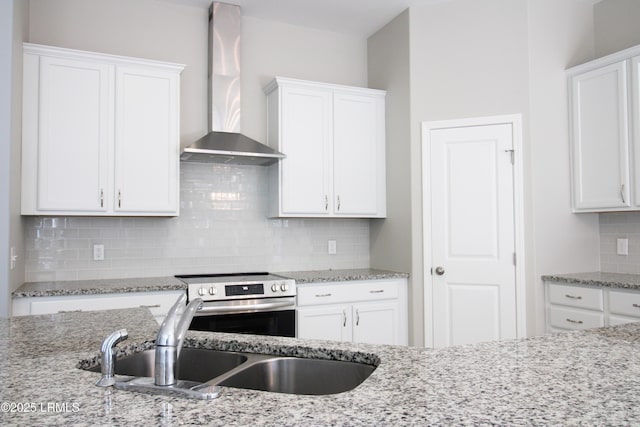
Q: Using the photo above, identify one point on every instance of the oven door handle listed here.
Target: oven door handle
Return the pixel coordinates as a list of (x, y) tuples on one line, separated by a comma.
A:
[(226, 309)]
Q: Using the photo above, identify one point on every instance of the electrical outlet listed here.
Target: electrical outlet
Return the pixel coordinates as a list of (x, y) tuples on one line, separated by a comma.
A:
[(623, 246), (98, 252), (331, 247)]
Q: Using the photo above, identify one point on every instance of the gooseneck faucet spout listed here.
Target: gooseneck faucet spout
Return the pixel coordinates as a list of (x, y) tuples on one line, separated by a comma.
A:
[(106, 354), (171, 338)]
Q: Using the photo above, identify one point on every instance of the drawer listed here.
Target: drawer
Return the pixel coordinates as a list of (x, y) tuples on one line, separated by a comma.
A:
[(341, 292), (158, 303), (576, 296), (624, 303), (566, 318)]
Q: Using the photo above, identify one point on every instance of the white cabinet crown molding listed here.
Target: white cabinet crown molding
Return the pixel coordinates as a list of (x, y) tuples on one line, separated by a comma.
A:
[(63, 52)]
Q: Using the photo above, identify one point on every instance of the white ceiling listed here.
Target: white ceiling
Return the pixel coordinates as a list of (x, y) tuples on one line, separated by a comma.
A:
[(359, 18)]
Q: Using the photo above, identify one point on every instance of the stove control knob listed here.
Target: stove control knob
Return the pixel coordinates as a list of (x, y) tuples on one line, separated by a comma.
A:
[(202, 291), (274, 287), (284, 287), (212, 291)]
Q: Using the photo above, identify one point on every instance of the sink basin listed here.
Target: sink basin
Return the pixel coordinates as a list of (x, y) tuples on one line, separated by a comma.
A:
[(202, 369), (300, 376), (194, 364)]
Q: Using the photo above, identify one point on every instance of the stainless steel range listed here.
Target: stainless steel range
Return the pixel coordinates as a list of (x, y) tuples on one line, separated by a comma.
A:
[(248, 303)]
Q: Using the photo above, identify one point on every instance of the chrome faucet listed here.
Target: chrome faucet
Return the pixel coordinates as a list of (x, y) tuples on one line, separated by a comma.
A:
[(106, 352), (171, 338)]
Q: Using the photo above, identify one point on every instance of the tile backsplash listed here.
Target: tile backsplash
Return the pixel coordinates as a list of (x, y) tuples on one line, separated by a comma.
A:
[(222, 227), (613, 226)]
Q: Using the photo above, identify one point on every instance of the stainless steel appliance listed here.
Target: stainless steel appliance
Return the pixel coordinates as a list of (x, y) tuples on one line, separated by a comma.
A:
[(246, 303), (224, 143)]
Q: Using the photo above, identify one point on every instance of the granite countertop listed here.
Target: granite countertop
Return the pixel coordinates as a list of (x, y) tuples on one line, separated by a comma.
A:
[(318, 276), (609, 280), (150, 284), (582, 377), (102, 286)]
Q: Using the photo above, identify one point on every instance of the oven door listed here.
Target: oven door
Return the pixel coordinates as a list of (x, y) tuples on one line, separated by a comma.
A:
[(266, 316)]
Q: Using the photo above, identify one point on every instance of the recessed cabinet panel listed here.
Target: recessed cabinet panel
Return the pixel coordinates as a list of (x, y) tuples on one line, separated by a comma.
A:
[(600, 138), (324, 323), (355, 154), (376, 323), (305, 138), (145, 150), (75, 117), (635, 123)]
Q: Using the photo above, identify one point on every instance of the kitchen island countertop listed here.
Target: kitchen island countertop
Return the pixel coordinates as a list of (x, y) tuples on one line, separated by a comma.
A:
[(151, 284), (587, 377)]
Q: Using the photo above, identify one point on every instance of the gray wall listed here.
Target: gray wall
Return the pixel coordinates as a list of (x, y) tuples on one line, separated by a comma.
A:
[(390, 239), (616, 25), (13, 26)]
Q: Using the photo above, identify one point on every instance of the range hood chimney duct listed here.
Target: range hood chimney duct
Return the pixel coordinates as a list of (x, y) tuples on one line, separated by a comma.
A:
[(224, 143)]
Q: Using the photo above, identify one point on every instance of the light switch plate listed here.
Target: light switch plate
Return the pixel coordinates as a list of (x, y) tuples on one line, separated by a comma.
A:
[(623, 246)]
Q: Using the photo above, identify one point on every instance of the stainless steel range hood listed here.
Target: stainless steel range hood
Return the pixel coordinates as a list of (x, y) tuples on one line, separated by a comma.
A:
[(225, 143)]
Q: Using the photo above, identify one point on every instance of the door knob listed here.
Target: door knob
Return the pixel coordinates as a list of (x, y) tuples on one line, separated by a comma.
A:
[(439, 271)]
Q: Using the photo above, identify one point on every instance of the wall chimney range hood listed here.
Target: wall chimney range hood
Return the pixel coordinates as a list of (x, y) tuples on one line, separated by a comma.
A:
[(225, 143)]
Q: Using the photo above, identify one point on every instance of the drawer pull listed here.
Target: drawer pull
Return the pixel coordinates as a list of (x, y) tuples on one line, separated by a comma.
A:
[(322, 295), (636, 305), (150, 306), (377, 292), (579, 322), (572, 296), (69, 311)]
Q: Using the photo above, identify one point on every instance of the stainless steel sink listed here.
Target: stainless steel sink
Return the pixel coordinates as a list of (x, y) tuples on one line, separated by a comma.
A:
[(300, 376), (202, 368), (194, 364)]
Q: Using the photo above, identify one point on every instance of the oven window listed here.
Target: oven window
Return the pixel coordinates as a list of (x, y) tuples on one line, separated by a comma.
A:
[(276, 323)]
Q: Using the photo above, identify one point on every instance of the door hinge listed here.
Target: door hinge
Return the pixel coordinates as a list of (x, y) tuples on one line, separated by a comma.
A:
[(512, 153)]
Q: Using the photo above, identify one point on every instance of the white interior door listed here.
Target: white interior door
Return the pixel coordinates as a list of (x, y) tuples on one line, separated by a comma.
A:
[(472, 237)]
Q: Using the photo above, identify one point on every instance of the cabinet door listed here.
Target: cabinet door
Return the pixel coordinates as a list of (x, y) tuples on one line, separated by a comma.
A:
[(324, 323), (75, 132), (600, 138), (376, 323), (356, 154), (305, 139), (635, 123), (147, 141)]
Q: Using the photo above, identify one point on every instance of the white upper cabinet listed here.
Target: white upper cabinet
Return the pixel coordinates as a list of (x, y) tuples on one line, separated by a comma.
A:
[(334, 140), (100, 134), (146, 170), (605, 138)]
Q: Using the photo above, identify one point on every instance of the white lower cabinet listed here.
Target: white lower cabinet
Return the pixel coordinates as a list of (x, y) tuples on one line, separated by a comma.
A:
[(576, 307), (158, 303), (373, 312)]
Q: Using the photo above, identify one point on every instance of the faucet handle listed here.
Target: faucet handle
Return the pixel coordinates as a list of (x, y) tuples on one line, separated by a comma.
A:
[(106, 352)]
